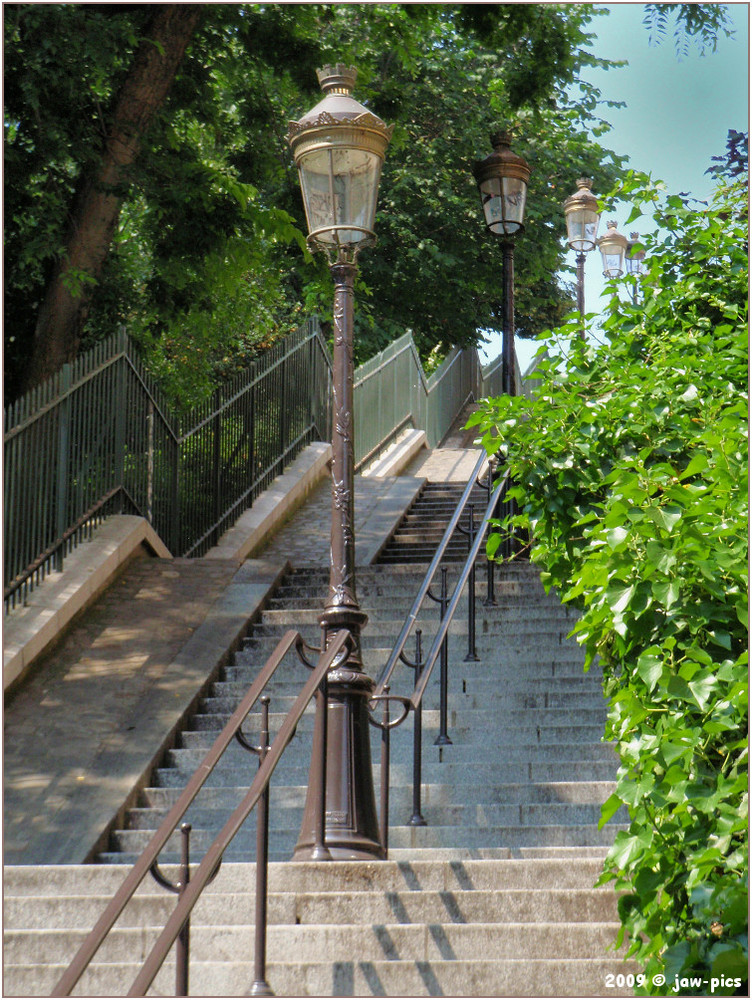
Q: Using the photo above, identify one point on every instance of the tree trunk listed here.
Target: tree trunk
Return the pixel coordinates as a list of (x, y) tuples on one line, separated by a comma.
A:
[(95, 214)]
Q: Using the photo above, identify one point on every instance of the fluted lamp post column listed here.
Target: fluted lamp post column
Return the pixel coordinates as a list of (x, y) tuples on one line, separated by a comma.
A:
[(339, 149), (502, 179), (582, 218)]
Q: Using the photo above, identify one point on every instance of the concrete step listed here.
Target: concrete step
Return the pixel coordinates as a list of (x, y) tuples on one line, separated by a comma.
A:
[(570, 871), (282, 841), (503, 765), (304, 908), (586, 710), (506, 977), (505, 656), (400, 797), (205, 817), (468, 744), (471, 693), (339, 943), (524, 769)]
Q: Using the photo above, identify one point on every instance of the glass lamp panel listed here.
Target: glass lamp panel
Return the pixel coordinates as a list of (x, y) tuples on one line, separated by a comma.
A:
[(503, 200), (582, 229), (613, 262), (340, 188)]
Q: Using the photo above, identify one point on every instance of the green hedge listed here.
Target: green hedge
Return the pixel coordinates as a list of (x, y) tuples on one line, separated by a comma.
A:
[(631, 471)]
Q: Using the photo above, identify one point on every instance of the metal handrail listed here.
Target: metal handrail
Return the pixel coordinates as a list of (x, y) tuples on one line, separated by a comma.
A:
[(214, 854), (414, 611), (423, 668), (417, 695)]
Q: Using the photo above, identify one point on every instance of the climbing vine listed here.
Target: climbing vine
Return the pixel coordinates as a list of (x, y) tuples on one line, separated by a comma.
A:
[(631, 467)]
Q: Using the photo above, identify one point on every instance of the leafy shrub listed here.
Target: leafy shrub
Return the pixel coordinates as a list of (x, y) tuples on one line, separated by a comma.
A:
[(631, 469)]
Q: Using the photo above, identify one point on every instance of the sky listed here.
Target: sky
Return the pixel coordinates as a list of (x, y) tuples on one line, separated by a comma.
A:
[(677, 116)]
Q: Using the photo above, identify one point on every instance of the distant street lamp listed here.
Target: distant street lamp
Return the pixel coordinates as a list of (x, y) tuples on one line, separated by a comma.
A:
[(582, 218), (634, 260), (502, 179), (613, 248), (339, 149)]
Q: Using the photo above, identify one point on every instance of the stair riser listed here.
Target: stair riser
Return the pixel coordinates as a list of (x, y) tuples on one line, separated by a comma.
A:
[(541, 708), (465, 739), (438, 795), (524, 770), (282, 842), (415, 943), (546, 978), (382, 876), (572, 906), (488, 815)]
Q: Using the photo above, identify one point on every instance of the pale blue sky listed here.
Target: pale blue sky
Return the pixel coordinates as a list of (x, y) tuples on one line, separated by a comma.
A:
[(677, 115)]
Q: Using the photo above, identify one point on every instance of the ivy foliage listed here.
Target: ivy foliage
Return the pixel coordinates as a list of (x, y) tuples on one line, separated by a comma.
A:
[(631, 468)]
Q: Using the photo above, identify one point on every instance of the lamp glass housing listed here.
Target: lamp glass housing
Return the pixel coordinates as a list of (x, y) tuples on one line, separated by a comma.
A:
[(613, 248), (634, 256), (339, 148), (502, 179), (340, 188), (582, 229), (503, 201)]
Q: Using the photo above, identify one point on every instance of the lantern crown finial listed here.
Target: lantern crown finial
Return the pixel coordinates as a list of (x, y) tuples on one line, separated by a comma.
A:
[(502, 139), (337, 78)]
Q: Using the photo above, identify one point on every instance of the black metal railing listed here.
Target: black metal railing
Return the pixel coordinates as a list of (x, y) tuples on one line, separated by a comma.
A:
[(115, 501), (101, 424), (189, 888)]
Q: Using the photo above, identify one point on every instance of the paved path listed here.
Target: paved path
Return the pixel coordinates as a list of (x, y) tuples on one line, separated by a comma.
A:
[(85, 724)]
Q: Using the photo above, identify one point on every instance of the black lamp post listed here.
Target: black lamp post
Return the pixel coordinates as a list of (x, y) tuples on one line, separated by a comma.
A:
[(502, 179), (635, 257), (582, 217), (339, 149)]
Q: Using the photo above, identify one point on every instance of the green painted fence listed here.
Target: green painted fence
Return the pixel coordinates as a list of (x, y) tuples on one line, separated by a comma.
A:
[(99, 438)]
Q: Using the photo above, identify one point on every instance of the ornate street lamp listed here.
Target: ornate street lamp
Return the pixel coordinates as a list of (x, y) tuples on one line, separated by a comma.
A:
[(613, 248), (582, 217), (339, 149), (502, 179)]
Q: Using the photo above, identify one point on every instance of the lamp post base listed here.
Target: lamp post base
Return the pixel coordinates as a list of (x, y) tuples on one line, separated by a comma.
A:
[(351, 829)]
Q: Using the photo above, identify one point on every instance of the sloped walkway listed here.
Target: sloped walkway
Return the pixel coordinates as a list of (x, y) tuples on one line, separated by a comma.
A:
[(93, 718)]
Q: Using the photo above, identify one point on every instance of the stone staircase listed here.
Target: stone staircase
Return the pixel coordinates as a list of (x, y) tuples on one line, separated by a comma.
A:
[(493, 897), (423, 526)]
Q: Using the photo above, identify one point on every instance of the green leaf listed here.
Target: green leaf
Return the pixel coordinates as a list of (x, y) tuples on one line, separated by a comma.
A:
[(612, 804), (703, 689), (650, 668)]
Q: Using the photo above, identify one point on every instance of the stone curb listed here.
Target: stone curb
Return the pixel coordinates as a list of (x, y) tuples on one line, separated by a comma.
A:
[(398, 456), (89, 568)]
